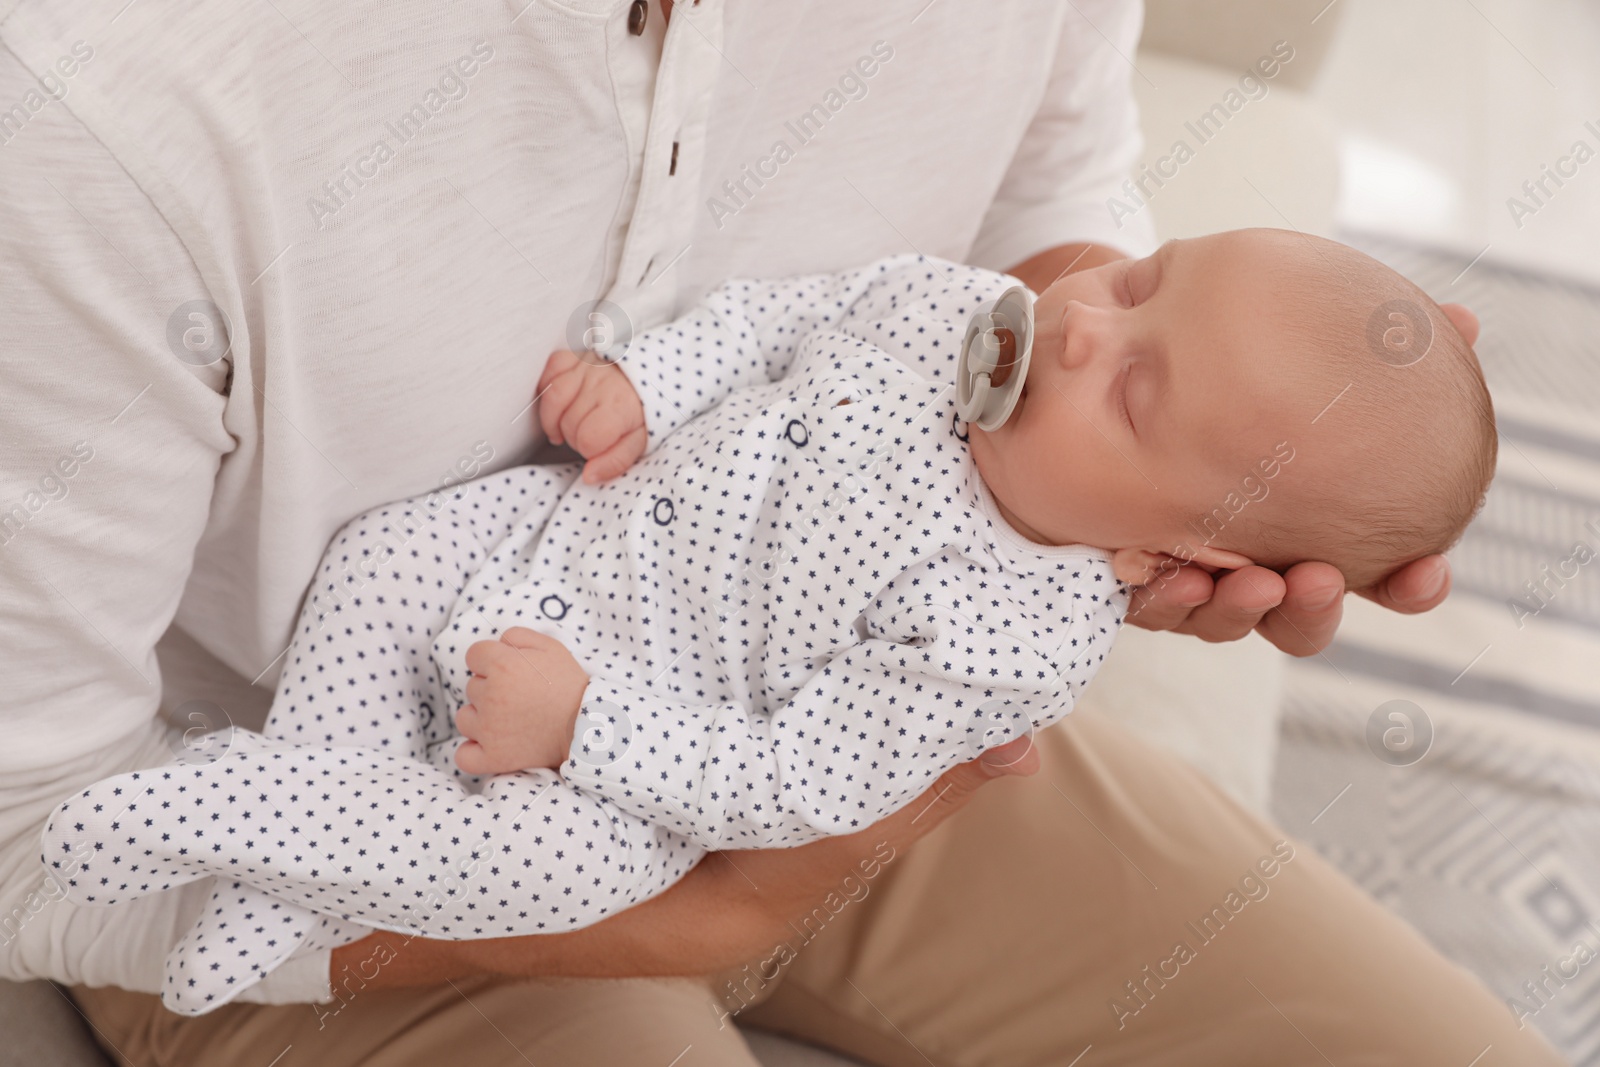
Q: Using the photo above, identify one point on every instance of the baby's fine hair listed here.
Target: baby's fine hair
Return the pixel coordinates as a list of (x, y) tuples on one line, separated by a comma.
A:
[(1414, 423)]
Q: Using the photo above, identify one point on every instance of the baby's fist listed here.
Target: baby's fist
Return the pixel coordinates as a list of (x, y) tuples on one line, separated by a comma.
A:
[(523, 701), (593, 407)]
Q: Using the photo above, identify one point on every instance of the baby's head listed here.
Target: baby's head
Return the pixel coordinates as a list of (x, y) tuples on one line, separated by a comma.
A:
[(1256, 395)]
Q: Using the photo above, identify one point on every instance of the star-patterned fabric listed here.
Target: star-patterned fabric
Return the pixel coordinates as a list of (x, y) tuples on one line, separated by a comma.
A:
[(796, 611)]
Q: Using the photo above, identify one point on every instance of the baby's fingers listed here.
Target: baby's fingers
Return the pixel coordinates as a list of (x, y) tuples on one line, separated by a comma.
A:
[(485, 656), (473, 759), (616, 460), (555, 398), (522, 637), (476, 690), (600, 426), (560, 362), (584, 407)]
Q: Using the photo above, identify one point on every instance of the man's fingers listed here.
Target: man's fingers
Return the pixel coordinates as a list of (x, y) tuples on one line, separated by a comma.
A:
[(1298, 612), (1167, 602), (1019, 758), (1419, 586), (1238, 601), (1308, 617), (957, 785), (616, 460)]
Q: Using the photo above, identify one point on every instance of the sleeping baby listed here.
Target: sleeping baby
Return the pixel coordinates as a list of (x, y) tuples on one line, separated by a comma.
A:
[(800, 574)]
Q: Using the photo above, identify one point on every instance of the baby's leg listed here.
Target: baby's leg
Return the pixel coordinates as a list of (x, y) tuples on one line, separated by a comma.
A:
[(370, 837), (242, 935), (359, 672)]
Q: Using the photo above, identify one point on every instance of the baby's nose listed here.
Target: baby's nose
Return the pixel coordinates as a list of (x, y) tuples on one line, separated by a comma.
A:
[(1078, 333)]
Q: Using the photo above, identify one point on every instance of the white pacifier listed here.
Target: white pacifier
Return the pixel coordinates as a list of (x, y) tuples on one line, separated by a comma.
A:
[(978, 399)]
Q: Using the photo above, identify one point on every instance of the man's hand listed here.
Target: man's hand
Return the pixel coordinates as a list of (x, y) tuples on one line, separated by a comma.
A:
[(1298, 611), (524, 696), (592, 406), (710, 921)]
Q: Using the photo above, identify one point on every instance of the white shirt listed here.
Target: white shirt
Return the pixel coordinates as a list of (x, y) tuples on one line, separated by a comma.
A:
[(795, 613), (398, 212)]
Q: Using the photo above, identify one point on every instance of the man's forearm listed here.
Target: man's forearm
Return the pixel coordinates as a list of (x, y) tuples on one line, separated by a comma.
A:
[(710, 920), (1039, 271)]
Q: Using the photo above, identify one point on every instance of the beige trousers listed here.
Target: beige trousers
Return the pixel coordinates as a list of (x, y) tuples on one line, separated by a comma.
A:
[(1116, 908)]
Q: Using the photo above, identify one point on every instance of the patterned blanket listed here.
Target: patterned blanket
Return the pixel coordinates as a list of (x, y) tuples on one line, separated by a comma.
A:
[(1450, 764)]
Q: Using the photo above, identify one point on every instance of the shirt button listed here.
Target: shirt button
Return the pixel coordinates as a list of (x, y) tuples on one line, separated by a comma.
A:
[(637, 15)]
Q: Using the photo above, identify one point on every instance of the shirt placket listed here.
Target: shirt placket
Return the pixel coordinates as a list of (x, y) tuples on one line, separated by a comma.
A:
[(659, 229)]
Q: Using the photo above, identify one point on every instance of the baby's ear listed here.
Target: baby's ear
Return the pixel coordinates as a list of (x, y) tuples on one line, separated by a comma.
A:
[(1141, 566), (1465, 322)]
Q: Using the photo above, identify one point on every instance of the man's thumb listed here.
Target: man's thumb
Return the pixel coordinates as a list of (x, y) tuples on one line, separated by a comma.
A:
[(1019, 757)]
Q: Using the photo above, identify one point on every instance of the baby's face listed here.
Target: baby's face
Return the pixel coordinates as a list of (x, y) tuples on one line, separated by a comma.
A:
[(1156, 387)]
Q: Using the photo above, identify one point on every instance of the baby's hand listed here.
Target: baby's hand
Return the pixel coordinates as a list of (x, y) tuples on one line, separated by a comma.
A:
[(592, 406), (525, 693)]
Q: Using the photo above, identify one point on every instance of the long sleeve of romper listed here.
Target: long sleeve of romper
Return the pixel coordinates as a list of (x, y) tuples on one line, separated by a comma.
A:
[(929, 687), (745, 332)]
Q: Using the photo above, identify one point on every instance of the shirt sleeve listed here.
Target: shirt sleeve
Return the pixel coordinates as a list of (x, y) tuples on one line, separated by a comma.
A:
[(1081, 146), (744, 333), (110, 445), (871, 728)]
